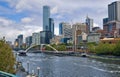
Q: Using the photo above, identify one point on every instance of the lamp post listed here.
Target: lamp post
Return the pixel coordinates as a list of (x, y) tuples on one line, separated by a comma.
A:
[(38, 70), (27, 67)]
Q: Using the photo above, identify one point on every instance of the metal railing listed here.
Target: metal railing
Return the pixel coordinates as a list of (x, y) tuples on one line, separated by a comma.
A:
[(4, 74)]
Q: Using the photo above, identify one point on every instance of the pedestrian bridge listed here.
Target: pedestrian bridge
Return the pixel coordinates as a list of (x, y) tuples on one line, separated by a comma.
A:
[(4, 74), (41, 46)]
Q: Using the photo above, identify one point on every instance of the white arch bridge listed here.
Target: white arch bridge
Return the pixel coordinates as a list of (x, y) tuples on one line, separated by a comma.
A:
[(41, 46)]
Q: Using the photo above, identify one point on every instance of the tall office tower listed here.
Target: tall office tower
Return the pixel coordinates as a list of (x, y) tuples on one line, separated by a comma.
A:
[(114, 11), (111, 25), (20, 41), (60, 28), (16, 43), (45, 37), (46, 16), (28, 41), (36, 38), (65, 30), (89, 23), (51, 26)]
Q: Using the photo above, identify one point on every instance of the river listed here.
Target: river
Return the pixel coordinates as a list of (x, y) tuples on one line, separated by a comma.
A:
[(68, 66)]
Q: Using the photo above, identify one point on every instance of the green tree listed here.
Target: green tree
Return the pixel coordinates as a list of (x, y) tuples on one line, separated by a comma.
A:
[(117, 49), (104, 49), (7, 60)]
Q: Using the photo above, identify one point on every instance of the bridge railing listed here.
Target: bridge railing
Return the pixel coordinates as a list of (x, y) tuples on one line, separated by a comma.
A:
[(4, 74), (41, 47)]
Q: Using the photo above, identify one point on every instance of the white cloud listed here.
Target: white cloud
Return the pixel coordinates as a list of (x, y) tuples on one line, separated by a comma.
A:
[(26, 20), (54, 10), (5, 22)]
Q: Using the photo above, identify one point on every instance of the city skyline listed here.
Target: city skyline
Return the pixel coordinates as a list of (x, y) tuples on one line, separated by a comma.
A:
[(25, 16)]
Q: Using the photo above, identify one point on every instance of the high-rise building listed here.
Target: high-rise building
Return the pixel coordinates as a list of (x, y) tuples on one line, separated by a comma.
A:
[(89, 23), (51, 26), (65, 30), (45, 37), (20, 41), (48, 26), (28, 41), (46, 16), (111, 25), (16, 43), (77, 30), (114, 11), (60, 28), (36, 38)]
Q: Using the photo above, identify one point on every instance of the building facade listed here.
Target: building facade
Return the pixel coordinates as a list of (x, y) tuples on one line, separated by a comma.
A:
[(20, 41), (111, 26), (93, 37), (46, 16), (65, 30), (51, 26), (114, 11), (36, 38), (45, 37), (89, 24), (56, 40), (28, 41), (77, 30)]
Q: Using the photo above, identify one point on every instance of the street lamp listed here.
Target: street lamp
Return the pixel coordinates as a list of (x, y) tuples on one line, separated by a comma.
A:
[(38, 69), (27, 67)]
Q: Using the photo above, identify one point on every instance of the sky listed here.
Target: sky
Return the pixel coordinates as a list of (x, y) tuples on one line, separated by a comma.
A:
[(25, 16)]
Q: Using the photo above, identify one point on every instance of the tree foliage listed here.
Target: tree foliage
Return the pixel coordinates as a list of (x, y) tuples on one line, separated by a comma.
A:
[(7, 59), (117, 49)]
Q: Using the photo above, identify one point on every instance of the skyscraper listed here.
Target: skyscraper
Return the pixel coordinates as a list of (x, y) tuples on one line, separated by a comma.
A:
[(28, 41), (36, 38), (65, 30), (111, 25), (20, 41), (89, 23), (46, 16), (114, 11), (51, 26), (60, 29)]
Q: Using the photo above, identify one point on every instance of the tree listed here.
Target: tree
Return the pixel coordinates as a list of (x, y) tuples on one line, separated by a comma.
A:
[(7, 60), (117, 49)]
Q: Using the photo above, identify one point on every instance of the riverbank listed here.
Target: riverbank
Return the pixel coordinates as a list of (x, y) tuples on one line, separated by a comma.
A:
[(105, 57)]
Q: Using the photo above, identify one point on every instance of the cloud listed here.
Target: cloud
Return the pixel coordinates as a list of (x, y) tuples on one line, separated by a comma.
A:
[(26, 20), (11, 30), (54, 10), (5, 22)]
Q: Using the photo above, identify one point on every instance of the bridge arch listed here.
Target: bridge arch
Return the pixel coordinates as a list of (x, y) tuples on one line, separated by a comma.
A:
[(41, 47)]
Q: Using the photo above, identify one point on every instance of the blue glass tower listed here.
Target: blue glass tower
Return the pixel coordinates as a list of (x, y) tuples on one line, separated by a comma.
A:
[(60, 28), (46, 16), (89, 23), (51, 26)]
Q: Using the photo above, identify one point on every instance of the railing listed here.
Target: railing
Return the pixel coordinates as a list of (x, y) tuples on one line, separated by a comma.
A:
[(4, 74)]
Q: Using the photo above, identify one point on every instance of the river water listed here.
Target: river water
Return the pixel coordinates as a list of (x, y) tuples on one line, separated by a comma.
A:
[(68, 66)]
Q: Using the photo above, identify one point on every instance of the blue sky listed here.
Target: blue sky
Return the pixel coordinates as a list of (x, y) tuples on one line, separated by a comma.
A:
[(25, 16)]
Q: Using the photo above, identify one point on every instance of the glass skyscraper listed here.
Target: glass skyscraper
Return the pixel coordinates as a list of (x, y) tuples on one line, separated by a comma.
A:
[(114, 11), (89, 23), (46, 16), (51, 26)]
